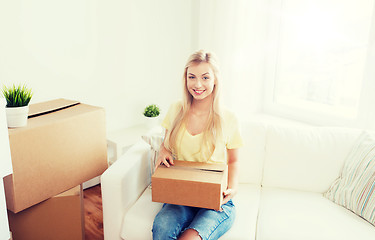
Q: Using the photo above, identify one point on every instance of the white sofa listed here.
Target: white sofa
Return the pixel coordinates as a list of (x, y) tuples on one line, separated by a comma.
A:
[(285, 168)]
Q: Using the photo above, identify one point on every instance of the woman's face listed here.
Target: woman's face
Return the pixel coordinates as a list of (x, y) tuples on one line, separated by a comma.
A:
[(200, 80)]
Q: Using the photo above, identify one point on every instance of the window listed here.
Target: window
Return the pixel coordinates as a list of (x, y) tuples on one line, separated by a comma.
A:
[(318, 59)]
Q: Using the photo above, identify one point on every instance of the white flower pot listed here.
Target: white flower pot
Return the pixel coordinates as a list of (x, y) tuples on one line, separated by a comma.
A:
[(152, 122), (17, 116)]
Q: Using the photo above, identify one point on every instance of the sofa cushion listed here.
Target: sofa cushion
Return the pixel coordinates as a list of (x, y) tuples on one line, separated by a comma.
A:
[(137, 223), (296, 215), (305, 158), (247, 204), (355, 188), (251, 155)]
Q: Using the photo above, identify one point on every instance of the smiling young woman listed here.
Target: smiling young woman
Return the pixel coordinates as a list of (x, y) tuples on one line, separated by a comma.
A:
[(199, 129)]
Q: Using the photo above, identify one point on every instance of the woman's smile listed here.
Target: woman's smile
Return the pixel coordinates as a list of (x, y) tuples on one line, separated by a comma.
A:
[(198, 92)]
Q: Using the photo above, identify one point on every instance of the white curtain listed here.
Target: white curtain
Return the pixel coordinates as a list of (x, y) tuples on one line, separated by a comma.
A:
[(5, 169), (235, 31)]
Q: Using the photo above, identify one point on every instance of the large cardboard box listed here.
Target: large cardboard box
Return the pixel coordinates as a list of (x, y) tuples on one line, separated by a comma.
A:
[(62, 146), (60, 217), (190, 184)]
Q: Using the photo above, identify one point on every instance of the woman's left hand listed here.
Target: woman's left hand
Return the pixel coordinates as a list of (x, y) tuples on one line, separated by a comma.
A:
[(229, 194)]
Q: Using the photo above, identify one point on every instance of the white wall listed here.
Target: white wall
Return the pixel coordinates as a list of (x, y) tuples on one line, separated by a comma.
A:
[(125, 54), (118, 54), (5, 169), (4, 227)]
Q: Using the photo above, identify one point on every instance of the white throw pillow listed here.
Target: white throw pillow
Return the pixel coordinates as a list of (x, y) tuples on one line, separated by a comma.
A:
[(355, 188), (155, 140)]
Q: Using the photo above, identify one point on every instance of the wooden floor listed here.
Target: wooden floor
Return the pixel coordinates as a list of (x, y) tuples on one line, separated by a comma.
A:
[(93, 213)]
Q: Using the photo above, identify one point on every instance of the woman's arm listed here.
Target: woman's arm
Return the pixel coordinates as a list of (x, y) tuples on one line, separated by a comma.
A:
[(165, 156), (233, 165)]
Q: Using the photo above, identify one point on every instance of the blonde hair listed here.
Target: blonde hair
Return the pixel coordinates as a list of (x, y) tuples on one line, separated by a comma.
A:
[(213, 127)]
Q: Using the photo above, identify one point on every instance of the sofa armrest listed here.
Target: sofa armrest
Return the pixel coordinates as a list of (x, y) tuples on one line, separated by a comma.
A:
[(122, 184)]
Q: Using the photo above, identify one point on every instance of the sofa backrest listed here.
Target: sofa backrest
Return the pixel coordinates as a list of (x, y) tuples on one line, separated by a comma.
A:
[(252, 154), (293, 155), (305, 158)]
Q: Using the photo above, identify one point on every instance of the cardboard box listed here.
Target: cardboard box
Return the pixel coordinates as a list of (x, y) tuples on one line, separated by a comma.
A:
[(60, 217), (190, 184), (62, 146)]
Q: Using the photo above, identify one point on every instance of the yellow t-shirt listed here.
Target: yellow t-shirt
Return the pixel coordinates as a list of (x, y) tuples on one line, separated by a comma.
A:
[(190, 147)]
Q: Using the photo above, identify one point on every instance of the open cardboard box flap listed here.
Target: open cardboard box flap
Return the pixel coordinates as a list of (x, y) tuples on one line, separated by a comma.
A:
[(200, 165), (38, 109)]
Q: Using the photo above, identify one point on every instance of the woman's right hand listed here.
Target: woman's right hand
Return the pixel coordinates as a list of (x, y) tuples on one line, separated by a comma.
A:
[(165, 157)]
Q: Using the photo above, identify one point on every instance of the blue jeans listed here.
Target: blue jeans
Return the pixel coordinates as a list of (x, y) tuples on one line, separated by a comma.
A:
[(173, 220)]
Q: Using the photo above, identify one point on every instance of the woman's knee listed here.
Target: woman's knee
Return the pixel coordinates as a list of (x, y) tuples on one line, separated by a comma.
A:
[(190, 234)]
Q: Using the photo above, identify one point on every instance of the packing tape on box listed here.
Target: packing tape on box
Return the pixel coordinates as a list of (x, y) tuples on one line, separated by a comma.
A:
[(197, 169)]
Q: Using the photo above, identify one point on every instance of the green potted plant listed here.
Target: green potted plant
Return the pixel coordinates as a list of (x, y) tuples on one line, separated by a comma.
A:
[(151, 112), (17, 107)]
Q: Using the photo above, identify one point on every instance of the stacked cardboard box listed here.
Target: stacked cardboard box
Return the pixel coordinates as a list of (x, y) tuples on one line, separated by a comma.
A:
[(60, 217), (62, 146)]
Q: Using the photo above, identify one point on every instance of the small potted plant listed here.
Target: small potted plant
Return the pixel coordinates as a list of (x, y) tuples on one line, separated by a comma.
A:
[(17, 107), (152, 113)]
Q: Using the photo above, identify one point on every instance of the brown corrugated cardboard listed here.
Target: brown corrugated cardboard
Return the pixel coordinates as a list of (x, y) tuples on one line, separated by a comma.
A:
[(62, 146), (190, 184), (60, 217)]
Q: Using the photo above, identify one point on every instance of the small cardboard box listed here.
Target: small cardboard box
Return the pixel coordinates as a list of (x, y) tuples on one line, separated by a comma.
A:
[(60, 217), (62, 146), (190, 184)]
